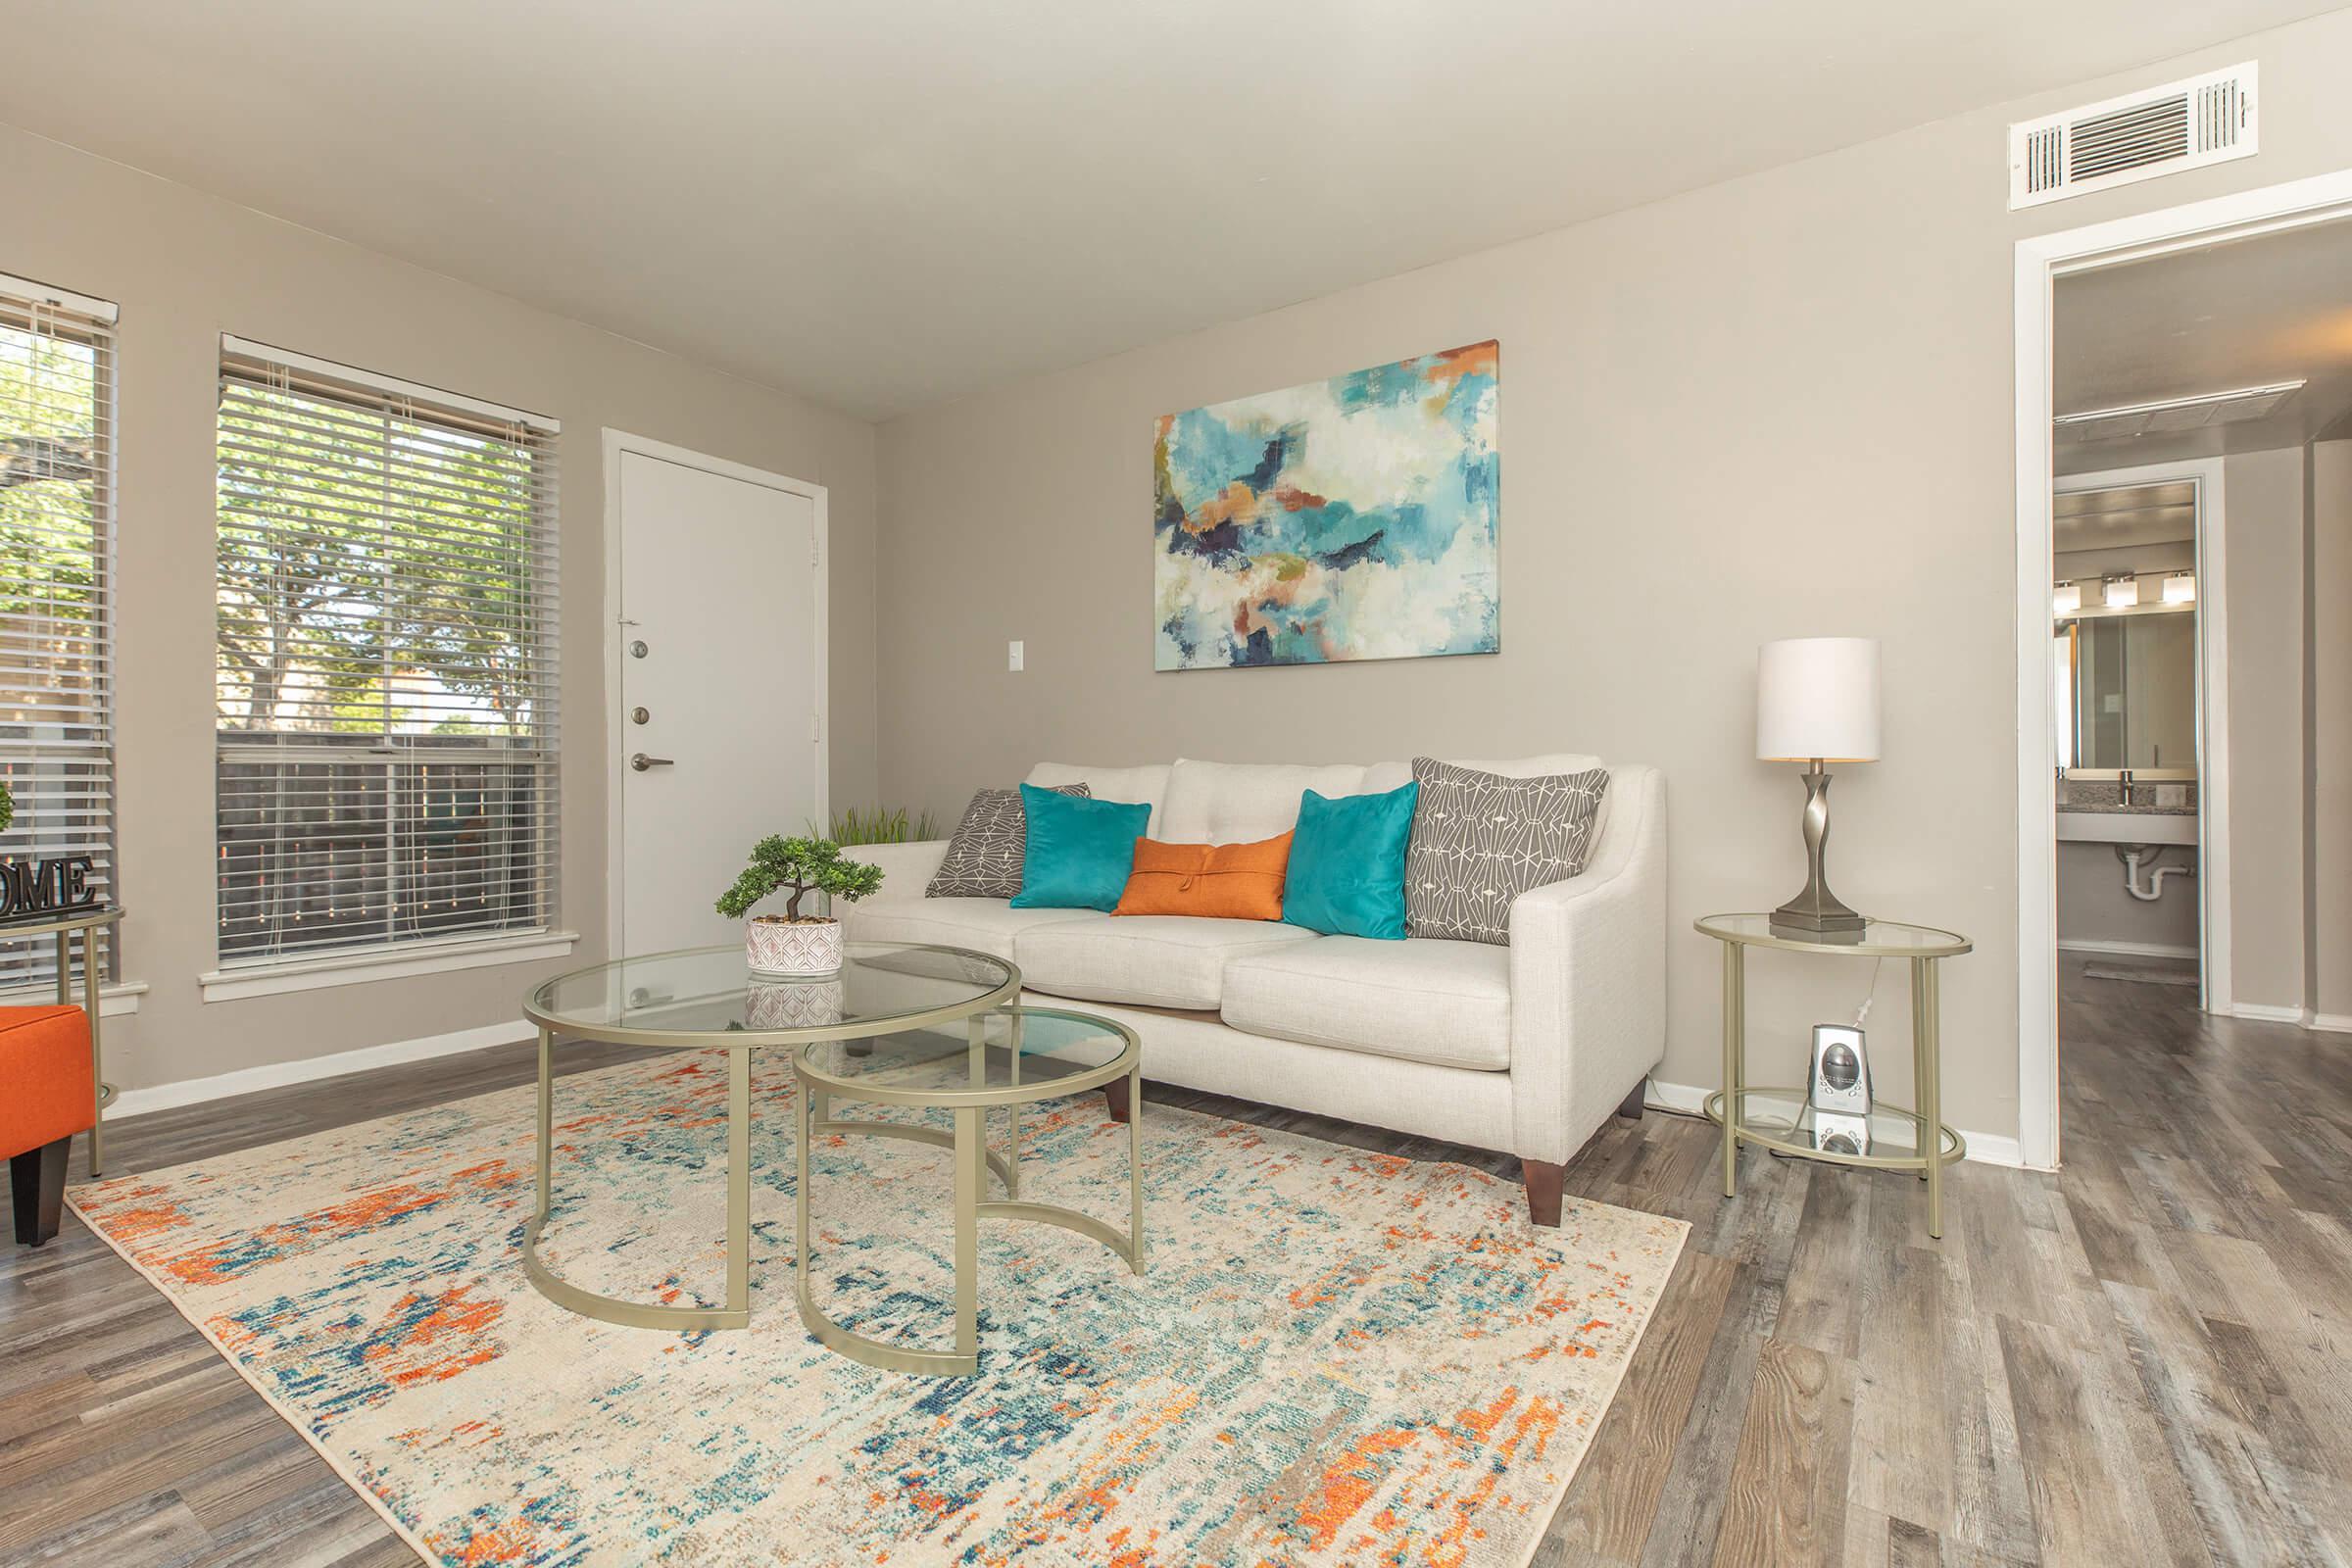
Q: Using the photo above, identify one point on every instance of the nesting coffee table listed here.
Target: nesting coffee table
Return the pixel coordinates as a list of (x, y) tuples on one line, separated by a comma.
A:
[(901, 1024), (707, 999), (1009, 1058)]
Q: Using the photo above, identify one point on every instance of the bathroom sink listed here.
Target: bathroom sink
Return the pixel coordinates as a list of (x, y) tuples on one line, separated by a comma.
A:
[(2126, 827)]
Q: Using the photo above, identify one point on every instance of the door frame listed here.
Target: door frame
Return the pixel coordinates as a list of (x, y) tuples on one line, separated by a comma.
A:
[(2042, 260), (617, 444), (2211, 559)]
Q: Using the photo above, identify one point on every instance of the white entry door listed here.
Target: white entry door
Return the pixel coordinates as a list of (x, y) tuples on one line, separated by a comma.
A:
[(719, 723)]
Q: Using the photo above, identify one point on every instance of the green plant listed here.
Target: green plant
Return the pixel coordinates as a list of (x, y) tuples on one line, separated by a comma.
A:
[(805, 865), (863, 825), (8, 807)]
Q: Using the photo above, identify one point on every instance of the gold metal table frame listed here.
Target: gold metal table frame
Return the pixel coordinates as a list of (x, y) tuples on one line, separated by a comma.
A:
[(1937, 1145), (89, 922), (972, 1160), (739, 1044)]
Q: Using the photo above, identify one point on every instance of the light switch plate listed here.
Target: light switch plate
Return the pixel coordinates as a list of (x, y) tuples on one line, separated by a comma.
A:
[(1013, 656)]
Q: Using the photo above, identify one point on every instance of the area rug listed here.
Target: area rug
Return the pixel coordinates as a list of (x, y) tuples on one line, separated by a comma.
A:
[(1336, 1357)]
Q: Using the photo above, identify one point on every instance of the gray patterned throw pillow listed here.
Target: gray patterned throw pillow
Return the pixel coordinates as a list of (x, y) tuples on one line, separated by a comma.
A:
[(1480, 840), (984, 857)]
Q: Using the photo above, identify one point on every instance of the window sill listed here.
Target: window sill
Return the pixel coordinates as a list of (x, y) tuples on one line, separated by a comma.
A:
[(274, 978), (113, 1000)]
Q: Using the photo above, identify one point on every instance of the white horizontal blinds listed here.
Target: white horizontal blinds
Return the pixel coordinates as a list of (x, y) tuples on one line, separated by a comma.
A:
[(57, 532), (387, 671)]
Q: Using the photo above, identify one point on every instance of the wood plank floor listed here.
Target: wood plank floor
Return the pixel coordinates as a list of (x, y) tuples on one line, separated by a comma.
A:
[(2145, 1359)]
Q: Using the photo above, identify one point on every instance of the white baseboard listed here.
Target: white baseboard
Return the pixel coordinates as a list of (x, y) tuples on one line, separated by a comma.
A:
[(278, 1074), (2334, 1024), (2266, 1012), (1683, 1098), (2128, 950), (1985, 1148), (115, 1001)]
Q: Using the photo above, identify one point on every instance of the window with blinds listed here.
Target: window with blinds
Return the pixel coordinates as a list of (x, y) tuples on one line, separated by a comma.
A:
[(386, 671), (57, 540)]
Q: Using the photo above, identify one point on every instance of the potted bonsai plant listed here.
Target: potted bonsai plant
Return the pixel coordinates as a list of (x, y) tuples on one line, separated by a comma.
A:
[(791, 943)]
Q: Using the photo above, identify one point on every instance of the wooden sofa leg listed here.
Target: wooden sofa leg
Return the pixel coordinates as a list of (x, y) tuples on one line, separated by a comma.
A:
[(1115, 1092), (1543, 1180), (1630, 1106), (37, 1180)]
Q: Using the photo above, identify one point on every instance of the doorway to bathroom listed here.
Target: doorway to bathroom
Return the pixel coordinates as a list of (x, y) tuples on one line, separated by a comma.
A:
[(2184, 639), (2139, 657)]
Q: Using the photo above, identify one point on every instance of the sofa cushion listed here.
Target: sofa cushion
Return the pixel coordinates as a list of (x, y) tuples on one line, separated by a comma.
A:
[(1444, 1003), (1080, 850), (1148, 784), (1389, 775), (1152, 961), (1481, 839), (1346, 872), (1208, 881), (1240, 803), (984, 858), (985, 925)]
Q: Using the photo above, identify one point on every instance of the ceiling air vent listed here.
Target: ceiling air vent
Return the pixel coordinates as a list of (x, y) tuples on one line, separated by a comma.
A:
[(2183, 124), (2172, 416)]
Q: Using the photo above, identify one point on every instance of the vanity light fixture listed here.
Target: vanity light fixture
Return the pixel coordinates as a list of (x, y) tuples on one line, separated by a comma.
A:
[(2180, 588), (2067, 599), (2119, 592)]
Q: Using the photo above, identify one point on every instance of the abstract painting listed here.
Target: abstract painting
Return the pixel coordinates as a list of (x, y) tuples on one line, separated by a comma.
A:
[(1341, 519)]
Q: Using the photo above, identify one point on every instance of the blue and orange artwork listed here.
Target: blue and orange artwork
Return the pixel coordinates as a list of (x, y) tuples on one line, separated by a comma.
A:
[(1341, 519)]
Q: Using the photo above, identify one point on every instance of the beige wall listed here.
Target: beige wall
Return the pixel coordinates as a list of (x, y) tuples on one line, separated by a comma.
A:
[(2330, 802), (186, 267), (1705, 403), (2263, 492)]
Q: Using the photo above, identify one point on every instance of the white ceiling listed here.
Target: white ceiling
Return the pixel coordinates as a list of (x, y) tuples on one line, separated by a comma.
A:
[(890, 203), (2252, 313)]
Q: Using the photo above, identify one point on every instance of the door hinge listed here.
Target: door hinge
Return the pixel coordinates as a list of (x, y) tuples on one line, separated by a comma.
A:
[(816, 728)]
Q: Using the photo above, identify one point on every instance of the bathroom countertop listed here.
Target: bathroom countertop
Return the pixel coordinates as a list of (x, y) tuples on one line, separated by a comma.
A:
[(2111, 808)]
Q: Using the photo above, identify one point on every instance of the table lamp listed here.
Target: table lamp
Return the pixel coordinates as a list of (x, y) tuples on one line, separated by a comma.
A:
[(1817, 702)]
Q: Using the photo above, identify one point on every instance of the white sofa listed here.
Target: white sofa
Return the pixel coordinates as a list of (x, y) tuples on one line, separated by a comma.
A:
[(1527, 1048)]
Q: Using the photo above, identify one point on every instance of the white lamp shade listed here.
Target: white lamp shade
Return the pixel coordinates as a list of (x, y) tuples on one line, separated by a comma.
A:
[(1818, 697)]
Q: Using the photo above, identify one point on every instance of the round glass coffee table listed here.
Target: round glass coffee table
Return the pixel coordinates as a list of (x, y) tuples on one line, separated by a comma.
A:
[(1007, 1057), (707, 999)]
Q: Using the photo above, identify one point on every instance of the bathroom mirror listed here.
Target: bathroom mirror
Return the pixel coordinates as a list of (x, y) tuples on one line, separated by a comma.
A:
[(2133, 691), (2124, 604)]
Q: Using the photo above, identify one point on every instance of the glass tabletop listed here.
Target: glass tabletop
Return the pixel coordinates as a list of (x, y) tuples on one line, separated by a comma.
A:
[(1025, 1053), (1786, 1116), (1890, 939), (703, 994)]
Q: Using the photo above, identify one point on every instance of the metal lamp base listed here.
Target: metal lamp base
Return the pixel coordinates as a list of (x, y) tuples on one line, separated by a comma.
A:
[(1817, 913)]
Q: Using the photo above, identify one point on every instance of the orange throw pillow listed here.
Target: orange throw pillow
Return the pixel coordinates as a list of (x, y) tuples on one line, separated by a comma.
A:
[(1213, 881)]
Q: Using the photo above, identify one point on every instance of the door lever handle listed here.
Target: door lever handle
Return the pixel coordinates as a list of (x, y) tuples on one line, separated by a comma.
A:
[(640, 762)]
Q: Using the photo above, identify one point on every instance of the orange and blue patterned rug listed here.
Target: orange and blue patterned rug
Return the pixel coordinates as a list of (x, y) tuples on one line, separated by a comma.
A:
[(1337, 1357)]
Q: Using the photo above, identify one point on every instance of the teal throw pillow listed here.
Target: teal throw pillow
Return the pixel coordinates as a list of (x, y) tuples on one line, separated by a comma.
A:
[(1347, 873), (1080, 850)]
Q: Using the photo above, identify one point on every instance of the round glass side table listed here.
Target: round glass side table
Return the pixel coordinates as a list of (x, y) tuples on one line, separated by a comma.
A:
[(707, 999), (1781, 1119), (1009, 1058)]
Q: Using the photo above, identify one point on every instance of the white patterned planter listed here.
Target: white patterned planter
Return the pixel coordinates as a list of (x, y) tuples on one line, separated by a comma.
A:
[(793, 1003), (776, 946)]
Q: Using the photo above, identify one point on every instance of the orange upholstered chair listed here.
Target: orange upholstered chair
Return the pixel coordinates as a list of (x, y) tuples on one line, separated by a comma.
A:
[(46, 1099)]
